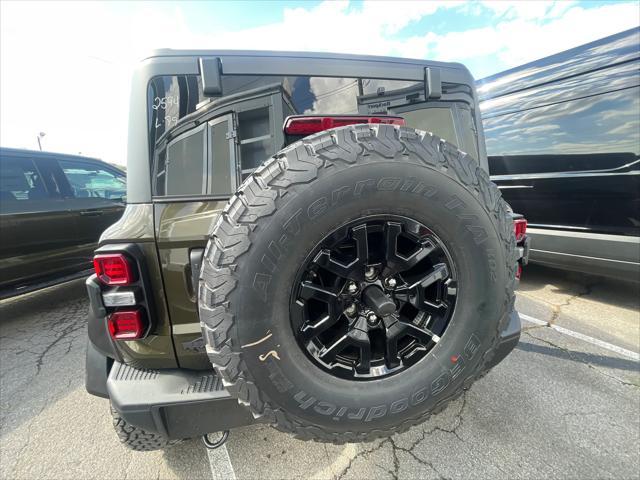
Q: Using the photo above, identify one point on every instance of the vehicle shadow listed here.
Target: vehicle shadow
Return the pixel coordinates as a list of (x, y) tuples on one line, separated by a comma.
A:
[(188, 459), (618, 293), (582, 357)]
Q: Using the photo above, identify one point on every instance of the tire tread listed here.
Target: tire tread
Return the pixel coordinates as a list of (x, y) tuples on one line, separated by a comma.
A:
[(136, 438)]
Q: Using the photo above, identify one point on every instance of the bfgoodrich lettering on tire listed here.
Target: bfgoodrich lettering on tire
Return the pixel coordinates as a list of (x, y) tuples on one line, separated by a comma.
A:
[(357, 282)]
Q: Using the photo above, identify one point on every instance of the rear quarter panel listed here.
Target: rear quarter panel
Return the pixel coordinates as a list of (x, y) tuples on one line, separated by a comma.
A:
[(181, 227)]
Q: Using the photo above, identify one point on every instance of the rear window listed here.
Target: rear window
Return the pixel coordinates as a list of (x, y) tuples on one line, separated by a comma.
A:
[(258, 106)]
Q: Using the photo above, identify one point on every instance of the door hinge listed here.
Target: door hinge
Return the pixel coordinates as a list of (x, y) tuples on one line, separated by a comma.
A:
[(231, 134)]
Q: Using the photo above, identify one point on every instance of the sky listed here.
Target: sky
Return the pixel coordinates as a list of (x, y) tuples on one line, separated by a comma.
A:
[(65, 68)]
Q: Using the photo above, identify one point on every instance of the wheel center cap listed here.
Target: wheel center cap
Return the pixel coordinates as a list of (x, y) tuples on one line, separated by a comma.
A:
[(381, 304)]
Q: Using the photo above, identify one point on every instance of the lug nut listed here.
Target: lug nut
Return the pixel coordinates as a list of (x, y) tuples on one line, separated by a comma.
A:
[(391, 282), (370, 274), (351, 310), (352, 288), (372, 319)]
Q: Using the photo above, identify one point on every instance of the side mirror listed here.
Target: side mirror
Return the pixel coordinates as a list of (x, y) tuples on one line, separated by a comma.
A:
[(211, 75)]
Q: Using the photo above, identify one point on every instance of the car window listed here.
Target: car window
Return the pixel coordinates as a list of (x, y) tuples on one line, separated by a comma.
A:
[(184, 164), (435, 120), (180, 168), (20, 181), (222, 180), (255, 138), (161, 173), (89, 180)]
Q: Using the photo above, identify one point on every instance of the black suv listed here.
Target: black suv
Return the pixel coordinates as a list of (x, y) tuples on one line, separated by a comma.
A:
[(71, 198), (563, 139), (310, 240)]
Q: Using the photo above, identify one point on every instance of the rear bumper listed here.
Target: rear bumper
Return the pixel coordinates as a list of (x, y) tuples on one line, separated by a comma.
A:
[(509, 338), (174, 403), (178, 403), (97, 367)]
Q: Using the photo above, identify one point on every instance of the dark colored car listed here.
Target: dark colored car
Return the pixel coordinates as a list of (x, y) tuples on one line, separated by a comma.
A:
[(53, 208), (297, 250), (563, 139)]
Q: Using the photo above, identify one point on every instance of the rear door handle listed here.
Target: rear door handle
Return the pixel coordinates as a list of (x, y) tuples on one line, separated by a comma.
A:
[(90, 213), (195, 263)]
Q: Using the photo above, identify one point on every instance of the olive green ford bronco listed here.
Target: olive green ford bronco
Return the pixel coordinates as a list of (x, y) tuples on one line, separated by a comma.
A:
[(310, 241)]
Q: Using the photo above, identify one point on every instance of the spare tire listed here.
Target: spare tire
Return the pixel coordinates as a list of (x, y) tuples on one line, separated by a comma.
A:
[(357, 282)]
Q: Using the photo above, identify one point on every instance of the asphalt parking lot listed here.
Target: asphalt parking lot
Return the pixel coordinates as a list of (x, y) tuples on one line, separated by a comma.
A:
[(560, 406)]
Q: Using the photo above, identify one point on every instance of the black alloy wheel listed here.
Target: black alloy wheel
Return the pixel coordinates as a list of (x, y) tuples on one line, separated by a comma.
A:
[(373, 297)]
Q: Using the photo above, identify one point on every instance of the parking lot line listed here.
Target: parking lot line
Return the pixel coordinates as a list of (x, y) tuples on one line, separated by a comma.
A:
[(583, 337), (220, 464), (530, 319)]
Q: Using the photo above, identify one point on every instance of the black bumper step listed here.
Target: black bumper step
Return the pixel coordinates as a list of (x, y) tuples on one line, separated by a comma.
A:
[(509, 338), (174, 403)]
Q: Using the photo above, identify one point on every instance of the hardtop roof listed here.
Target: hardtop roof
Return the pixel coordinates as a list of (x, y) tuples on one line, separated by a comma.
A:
[(169, 52), (168, 62)]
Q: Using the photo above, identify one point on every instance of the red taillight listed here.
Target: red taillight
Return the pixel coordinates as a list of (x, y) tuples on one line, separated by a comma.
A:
[(520, 228), (306, 125), (113, 269), (126, 325)]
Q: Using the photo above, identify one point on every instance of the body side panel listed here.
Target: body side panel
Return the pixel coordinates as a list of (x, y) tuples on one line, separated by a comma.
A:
[(610, 255), (567, 154)]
